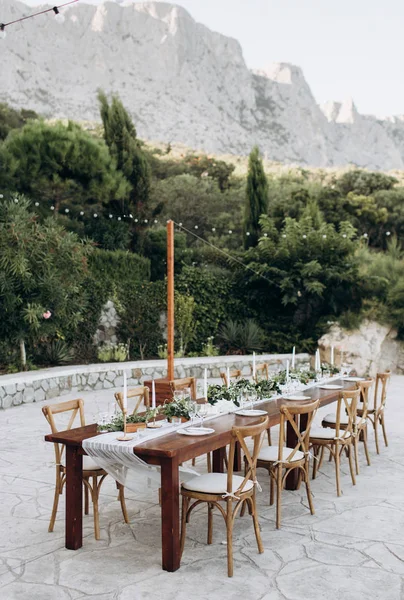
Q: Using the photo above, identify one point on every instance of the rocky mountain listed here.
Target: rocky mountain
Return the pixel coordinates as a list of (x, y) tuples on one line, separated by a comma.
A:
[(183, 83)]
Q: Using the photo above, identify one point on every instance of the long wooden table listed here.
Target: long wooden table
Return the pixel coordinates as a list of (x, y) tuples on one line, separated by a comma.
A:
[(168, 452)]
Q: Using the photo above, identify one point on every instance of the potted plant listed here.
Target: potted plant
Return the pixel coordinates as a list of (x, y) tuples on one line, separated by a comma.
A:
[(177, 408), (133, 422)]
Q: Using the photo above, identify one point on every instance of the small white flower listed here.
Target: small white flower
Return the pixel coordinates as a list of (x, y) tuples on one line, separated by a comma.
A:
[(284, 235), (1, 196), (16, 200), (344, 235)]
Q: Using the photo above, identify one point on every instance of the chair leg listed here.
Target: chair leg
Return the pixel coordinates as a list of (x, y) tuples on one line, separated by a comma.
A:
[(86, 500), (229, 528), (95, 495), (375, 423), (337, 472), (278, 495), (365, 443), (193, 462), (271, 488), (308, 490), (185, 504), (55, 503), (123, 502), (210, 523), (351, 467), (269, 437), (253, 512), (209, 462), (321, 458), (356, 454), (384, 430)]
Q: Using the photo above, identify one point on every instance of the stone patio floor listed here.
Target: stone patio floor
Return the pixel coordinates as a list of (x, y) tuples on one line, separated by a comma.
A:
[(352, 548)]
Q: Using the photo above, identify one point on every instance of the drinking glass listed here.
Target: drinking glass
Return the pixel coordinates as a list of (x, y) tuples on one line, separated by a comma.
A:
[(193, 410), (202, 412)]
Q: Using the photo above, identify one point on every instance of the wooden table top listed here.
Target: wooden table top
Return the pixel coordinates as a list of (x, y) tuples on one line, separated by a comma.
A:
[(186, 447)]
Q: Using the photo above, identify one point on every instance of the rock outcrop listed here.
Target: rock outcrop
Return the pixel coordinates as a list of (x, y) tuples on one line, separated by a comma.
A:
[(369, 349), (183, 83)]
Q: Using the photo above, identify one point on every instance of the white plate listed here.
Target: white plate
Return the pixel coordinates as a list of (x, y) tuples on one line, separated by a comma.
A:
[(297, 398), (331, 387), (354, 379), (196, 431), (251, 413)]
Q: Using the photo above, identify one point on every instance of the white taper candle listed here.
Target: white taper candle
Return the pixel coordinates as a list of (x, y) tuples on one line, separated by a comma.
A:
[(287, 370), (228, 377), (125, 391), (205, 384), (254, 365), (293, 356), (153, 394), (332, 356)]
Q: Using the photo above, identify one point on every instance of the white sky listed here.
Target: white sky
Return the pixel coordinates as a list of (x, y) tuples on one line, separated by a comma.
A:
[(346, 48)]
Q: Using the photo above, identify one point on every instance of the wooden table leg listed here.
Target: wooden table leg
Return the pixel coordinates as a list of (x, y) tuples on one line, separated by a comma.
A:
[(74, 499), (291, 441), (170, 514), (219, 460)]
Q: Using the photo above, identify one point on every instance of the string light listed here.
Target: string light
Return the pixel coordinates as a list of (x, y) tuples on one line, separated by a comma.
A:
[(55, 9), (58, 16), (388, 233)]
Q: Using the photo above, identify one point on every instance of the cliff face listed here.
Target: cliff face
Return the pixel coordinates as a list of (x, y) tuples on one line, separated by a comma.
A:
[(182, 82)]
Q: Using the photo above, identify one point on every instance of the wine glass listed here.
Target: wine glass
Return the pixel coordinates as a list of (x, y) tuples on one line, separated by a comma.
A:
[(193, 410), (202, 412)]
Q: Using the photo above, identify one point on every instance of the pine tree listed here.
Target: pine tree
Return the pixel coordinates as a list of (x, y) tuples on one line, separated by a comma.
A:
[(120, 137), (256, 198)]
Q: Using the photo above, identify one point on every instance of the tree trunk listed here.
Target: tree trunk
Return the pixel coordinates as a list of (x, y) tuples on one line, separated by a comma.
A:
[(23, 355)]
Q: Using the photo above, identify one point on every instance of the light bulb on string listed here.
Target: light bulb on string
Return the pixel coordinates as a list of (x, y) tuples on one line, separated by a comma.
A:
[(66, 210), (36, 203), (196, 226), (81, 213), (110, 216), (230, 231), (95, 215), (213, 229), (119, 219), (3, 32), (388, 233), (58, 15)]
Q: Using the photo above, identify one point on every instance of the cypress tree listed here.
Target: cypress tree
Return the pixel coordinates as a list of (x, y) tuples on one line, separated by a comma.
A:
[(256, 198), (121, 138)]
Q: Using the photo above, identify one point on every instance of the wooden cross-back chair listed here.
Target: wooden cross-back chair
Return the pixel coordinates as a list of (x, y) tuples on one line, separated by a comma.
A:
[(90, 467), (184, 384), (216, 488), (375, 413), (339, 438), (261, 372), (281, 460), (360, 429), (141, 393), (235, 374)]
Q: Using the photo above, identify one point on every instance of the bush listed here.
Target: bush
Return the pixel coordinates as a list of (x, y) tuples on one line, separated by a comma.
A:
[(241, 338), (118, 267)]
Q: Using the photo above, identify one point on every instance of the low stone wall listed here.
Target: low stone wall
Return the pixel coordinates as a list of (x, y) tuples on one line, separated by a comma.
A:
[(36, 386)]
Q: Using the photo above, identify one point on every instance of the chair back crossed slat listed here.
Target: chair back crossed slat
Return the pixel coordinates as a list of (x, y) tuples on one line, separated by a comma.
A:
[(141, 393), (76, 407), (186, 383), (364, 388), (235, 374), (239, 434), (289, 416), (261, 372), (348, 403), (380, 396)]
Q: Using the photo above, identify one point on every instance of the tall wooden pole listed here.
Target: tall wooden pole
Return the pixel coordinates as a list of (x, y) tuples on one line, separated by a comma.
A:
[(170, 300)]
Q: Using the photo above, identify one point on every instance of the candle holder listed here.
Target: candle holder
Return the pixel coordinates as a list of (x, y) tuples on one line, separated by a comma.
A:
[(124, 437)]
